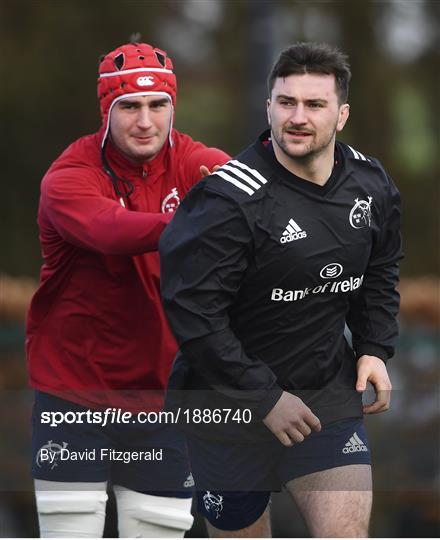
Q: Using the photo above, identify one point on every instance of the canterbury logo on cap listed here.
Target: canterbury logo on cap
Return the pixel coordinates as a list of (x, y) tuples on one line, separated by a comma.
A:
[(147, 80)]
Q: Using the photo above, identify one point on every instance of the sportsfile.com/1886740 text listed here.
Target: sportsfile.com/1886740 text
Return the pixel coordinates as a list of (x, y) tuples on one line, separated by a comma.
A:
[(113, 415)]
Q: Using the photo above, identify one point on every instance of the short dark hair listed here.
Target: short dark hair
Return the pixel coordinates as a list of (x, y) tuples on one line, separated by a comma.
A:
[(301, 58)]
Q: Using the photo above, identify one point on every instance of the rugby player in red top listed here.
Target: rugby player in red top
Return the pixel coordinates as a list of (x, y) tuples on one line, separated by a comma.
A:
[(96, 333)]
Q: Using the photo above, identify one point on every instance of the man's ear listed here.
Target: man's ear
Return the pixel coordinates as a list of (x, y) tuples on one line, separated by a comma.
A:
[(344, 113)]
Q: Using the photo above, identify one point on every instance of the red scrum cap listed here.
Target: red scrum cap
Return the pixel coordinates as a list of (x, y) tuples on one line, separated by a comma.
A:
[(138, 69)]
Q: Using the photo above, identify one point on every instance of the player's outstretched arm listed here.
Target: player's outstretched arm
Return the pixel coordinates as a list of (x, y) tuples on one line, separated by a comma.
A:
[(82, 215), (291, 420), (372, 369)]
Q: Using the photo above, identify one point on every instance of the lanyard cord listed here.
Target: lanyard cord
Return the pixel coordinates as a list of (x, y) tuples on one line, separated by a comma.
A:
[(128, 187)]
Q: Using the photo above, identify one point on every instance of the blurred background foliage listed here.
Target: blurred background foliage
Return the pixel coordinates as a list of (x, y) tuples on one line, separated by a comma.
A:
[(222, 51)]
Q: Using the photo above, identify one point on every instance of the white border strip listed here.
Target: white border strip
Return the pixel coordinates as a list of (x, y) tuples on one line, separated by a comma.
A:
[(242, 175), (234, 181), (135, 70), (246, 168), (357, 154)]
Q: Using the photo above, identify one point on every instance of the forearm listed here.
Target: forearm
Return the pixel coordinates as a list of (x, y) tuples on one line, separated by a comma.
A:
[(103, 225)]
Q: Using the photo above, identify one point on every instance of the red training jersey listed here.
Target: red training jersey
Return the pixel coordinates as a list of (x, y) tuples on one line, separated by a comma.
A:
[(96, 331)]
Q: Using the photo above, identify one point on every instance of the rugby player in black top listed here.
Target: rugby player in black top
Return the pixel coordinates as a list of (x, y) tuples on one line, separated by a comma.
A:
[(264, 264)]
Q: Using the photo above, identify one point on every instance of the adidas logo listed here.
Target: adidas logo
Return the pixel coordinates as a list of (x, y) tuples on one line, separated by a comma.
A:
[(292, 232), (355, 444), (189, 482)]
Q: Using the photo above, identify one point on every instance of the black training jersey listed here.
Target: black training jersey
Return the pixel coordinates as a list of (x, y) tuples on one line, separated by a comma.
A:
[(261, 271)]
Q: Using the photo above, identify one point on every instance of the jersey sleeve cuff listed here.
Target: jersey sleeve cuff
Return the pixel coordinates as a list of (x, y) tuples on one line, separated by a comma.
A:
[(372, 350), (268, 403)]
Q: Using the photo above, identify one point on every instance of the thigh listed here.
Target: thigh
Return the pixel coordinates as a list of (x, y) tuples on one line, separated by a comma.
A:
[(335, 502), (152, 461), (67, 451), (329, 477)]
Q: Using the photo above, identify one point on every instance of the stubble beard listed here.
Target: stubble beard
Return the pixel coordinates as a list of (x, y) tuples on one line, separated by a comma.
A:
[(310, 152)]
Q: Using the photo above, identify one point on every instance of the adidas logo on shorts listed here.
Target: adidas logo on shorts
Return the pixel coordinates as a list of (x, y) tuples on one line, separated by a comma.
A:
[(189, 482), (355, 444)]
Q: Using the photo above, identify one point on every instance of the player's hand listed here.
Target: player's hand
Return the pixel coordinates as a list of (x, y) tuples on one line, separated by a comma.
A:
[(291, 420), (373, 369), (204, 171)]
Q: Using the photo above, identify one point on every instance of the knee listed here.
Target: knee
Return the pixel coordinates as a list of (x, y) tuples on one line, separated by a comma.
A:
[(70, 510), (141, 515)]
